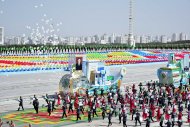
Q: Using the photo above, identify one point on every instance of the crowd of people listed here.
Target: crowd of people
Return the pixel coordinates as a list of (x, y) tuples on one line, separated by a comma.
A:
[(152, 102)]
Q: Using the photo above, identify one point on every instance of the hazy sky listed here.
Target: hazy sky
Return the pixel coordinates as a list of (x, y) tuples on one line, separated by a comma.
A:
[(89, 17)]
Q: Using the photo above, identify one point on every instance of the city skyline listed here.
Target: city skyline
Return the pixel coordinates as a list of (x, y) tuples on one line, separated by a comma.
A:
[(86, 18), (100, 39)]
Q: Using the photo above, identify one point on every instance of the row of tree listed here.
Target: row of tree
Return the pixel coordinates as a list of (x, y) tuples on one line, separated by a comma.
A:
[(94, 46)]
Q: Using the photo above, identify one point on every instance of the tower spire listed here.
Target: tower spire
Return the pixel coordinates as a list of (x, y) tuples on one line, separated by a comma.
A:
[(131, 41)]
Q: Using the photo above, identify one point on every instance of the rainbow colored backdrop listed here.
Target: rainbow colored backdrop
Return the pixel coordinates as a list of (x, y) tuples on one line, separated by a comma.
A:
[(21, 63)]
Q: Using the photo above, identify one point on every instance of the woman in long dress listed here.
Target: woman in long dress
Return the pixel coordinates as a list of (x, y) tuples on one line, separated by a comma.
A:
[(158, 114), (145, 113), (58, 100), (167, 115)]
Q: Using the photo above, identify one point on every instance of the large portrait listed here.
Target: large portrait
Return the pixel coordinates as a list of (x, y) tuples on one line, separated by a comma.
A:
[(78, 63)]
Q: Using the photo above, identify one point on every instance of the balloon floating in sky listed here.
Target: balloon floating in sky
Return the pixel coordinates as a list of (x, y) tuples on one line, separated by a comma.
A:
[(41, 5)]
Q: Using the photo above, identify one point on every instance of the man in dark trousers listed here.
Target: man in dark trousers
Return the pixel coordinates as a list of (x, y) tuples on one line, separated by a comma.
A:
[(168, 123), (179, 123), (94, 111), (173, 115), (78, 114), (133, 112), (103, 111), (148, 122), (70, 107), (102, 92), (161, 120), (150, 115), (64, 108), (124, 120), (87, 95), (47, 98), (89, 116), (20, 103), (53, 105), (137, 118), (37, 105), (109, 118), (95, 92), (120, 115), (81, 107), (49, 108), (113, 106)]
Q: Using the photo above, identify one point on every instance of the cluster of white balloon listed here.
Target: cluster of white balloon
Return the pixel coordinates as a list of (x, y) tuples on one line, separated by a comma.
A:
[(44, 31)]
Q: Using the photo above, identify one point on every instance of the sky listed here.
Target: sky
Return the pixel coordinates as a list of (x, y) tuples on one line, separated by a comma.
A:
[(90, 17)]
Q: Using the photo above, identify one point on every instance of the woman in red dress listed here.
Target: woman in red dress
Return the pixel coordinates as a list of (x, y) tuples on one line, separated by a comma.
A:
[(103, 100), (76, 103), (180, 116), (58, 100), (152, 108), (158, 114), (132, 104), (145, 112), (167, 115)]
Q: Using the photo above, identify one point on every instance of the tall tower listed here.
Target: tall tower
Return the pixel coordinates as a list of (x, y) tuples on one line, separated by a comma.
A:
[(131, 41)]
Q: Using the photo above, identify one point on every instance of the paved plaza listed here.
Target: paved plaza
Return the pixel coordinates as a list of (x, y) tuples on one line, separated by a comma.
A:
[(14, 85)]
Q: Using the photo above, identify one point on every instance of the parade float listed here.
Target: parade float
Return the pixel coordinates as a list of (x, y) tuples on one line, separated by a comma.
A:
[(176, 72), (93, 74)]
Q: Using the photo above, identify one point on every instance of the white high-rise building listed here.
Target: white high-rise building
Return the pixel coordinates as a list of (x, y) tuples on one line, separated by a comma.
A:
[(124, 39), (1, 36), (143, 39), (149, 39), (137, 39), (105, 38), (112, 38), (182, 37), (118, 39), (186, 37), (82, 39), (16, 40), (88, 39), (169, 39), (93, 40), (97, 39), (174, 37), (163, 39)]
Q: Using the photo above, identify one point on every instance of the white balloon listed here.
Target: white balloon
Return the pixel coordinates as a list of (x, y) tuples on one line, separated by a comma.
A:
[(36, 6), (1, 12), (41, 5)]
